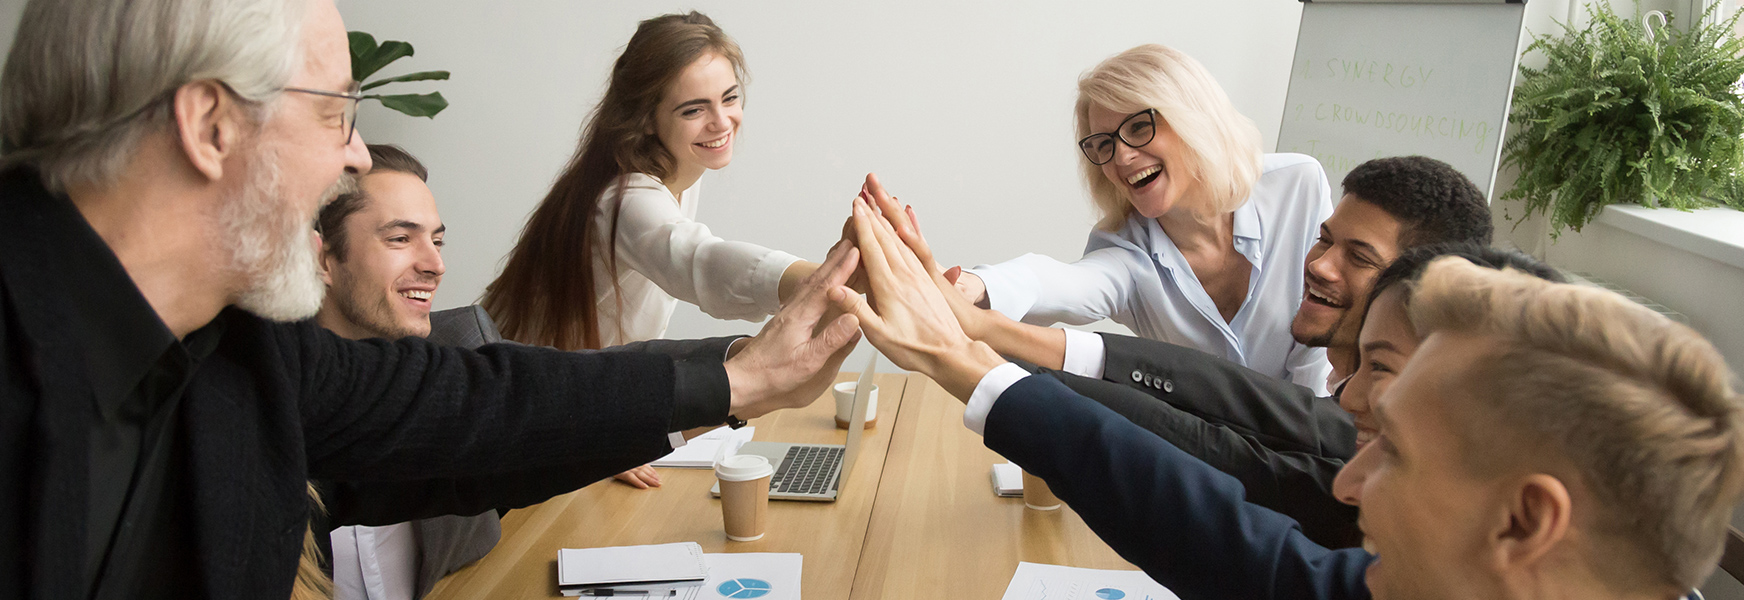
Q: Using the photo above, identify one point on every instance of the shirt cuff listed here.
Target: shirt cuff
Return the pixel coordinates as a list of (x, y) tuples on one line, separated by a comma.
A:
[(1011, 287), (768, 272), (1085, 354), (701, 394), (676, 439), (992, 385)]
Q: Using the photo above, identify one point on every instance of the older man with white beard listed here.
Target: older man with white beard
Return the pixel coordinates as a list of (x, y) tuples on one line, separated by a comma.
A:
[(162, 162)]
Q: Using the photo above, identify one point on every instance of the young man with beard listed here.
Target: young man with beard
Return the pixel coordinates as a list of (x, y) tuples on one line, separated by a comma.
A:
[(1281, 441), (381, 258), (159, 416), (1543, 441)]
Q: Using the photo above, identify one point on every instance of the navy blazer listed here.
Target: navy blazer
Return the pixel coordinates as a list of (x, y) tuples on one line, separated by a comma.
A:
[(1182, 521)]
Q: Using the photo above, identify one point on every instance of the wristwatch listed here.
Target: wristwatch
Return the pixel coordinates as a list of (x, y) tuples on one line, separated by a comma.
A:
[(735, 422)]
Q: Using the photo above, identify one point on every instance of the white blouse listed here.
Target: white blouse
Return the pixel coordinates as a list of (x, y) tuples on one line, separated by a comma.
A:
[(664, 255), (1138, 278)]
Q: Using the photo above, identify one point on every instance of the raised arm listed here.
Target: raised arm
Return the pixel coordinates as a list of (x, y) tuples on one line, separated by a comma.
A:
[(1032, 288), (1291, 478), (411, 410), (726, 279), (1288, 416), (1180, 520), (1044, 346)]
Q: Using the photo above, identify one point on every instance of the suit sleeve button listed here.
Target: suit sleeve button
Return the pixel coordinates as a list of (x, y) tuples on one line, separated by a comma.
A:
[(1168, 386), (1137, 376)]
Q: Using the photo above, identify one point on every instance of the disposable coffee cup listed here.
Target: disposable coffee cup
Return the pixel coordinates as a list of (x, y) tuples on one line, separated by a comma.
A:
[(744, 495), (844, 393), (1036, 494)]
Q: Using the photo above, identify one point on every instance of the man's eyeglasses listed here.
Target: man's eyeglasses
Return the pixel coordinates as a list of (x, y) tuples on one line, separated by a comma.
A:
[(1137, 130), (355, 95)]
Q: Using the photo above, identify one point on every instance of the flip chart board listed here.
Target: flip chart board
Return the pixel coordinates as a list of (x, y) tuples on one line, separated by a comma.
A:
[(1391, 79)]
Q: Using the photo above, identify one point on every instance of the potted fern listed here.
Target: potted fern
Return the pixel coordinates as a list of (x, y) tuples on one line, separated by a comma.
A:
[(1619, 115), (368, 57)]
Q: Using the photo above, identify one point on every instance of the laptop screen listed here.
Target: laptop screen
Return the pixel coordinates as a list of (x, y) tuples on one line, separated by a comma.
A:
[(857, 418)]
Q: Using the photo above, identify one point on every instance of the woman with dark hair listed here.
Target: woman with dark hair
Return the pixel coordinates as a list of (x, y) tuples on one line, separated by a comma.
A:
[(671, 111), (611, 249)]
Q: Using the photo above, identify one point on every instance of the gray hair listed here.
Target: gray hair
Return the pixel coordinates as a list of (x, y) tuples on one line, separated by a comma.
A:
[(87, 79)]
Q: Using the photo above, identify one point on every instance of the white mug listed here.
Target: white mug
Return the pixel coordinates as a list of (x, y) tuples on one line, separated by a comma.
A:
[(844, 393)]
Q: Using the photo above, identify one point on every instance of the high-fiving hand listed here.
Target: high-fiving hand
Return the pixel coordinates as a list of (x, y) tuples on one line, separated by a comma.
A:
[(912, 323), (975, 320), (795, 357)]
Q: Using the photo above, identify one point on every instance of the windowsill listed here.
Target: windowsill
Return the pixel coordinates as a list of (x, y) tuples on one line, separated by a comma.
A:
[(1716, 233)]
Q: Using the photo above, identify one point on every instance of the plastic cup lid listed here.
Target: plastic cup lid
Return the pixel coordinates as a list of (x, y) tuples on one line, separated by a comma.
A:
[(743, 467)]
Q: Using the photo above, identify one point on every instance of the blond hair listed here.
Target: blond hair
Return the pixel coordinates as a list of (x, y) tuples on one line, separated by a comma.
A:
[(1640, 407), (1223, 145), (312, 583)]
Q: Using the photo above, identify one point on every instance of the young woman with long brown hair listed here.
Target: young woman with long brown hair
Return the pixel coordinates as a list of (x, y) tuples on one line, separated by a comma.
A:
[(671, 111)]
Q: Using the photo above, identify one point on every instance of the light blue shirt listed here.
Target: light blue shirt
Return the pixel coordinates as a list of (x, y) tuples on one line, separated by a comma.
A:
[(1137, 277)]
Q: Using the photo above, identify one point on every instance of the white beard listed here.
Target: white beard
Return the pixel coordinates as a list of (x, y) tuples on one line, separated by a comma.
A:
[(272, 246)]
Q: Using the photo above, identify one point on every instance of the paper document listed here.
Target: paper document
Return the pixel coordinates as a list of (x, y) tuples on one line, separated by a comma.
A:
[(760, 575), (1008, 480), (702, 451), (631, 567), (1053, 582)]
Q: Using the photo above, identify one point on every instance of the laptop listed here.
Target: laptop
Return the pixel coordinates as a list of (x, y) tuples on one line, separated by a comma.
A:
[(815, 472)]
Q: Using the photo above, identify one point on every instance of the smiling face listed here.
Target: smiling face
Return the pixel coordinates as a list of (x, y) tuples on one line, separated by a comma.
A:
[(1425, 516), (699, 118), (1386, 344), (384, 284), (1356, 243), (1155, 176)]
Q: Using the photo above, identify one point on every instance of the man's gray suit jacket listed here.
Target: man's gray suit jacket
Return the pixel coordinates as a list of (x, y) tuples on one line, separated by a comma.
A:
[(449, 542)]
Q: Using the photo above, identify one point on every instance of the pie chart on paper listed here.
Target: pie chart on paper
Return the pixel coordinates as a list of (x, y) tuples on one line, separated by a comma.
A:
[(1110, 594), (739, 589)]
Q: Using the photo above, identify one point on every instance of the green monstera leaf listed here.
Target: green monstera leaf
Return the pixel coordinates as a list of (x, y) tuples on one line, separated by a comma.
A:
[(368, 57)]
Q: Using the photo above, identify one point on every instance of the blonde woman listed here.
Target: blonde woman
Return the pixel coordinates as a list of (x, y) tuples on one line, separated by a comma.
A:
[(1201, 239)]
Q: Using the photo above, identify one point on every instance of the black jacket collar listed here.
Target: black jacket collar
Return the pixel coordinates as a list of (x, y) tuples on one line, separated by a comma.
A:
[(59, 268)]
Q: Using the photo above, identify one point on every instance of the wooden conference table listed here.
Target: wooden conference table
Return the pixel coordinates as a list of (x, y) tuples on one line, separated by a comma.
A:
[(917, 518)]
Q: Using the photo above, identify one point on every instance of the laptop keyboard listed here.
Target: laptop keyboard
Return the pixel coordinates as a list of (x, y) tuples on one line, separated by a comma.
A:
[(807, 470)]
